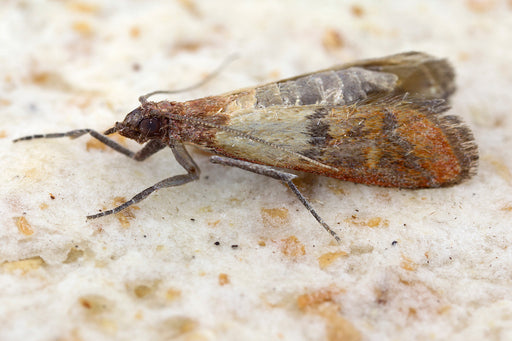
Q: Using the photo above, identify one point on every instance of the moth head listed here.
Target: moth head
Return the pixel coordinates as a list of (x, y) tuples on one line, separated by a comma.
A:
[(142, 124)]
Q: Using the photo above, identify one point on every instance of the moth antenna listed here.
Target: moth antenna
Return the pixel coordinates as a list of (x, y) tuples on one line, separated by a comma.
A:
[(143, 99)]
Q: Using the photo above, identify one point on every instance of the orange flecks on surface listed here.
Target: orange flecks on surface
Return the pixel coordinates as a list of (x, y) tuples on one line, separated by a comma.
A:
[(82, 27), (274, 74), (182, 328), (74, 255), (213, 223), (24, 265), (206, 209), (142, 291), (383, 196), (172, 294), (191, 7), (3, 134), (23, 226), (500, 167), (187, 46), (463, 56), (360, 249), (43, 206), (377, 221), (332, 40), (274, 217), (93, 143), (371, 222), (125, 215), (34, 174), (315, 298), (95, 304), (41, 77), (328, 258), (381, 295), (357, 11), (336, 187), (49, 79), (444, 309), (481, 6), (322, 303), (337, 327), (223, 279), (8, 80), (408, 264), (413, 298), (134, 32), (262, 243), (5, 102), (507, 208), (83, 100), (292, 247), (83, 7)]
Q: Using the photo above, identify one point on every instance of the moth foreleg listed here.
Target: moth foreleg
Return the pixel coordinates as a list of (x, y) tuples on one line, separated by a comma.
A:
[(149, 149)]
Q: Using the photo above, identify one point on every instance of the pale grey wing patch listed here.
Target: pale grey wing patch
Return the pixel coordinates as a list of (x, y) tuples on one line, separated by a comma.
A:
[(416, 73), (332, 88), (419, 74)]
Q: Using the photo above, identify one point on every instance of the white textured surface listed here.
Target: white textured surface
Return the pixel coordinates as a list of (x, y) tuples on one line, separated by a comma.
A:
[(67, 65)]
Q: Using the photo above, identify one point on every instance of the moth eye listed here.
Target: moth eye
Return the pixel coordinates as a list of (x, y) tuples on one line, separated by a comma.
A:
[(149, 126)]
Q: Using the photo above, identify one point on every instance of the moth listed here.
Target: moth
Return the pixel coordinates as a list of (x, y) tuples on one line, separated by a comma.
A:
[(377, 122)]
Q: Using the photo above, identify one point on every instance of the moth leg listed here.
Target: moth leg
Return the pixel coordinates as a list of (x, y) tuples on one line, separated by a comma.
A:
[(183, 158), (286, 178), (149, 149)]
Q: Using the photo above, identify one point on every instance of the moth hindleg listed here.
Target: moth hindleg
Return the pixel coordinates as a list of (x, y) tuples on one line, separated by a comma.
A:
[(285, 177)]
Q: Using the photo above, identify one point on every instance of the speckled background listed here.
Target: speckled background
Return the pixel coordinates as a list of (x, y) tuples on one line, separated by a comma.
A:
[(428, 264)]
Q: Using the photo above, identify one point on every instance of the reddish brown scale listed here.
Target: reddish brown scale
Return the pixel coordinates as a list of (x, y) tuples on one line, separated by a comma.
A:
[(435, 156), (177, 120), (209, 110), (445, 167)]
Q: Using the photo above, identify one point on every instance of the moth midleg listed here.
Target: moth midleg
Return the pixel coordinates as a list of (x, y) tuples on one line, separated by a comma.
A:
[(184, 159), (149, 149), (285, 177)]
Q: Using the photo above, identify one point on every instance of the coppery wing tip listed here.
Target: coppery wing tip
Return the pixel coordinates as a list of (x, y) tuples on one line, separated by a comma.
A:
[(463, 142), (461, 139)]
